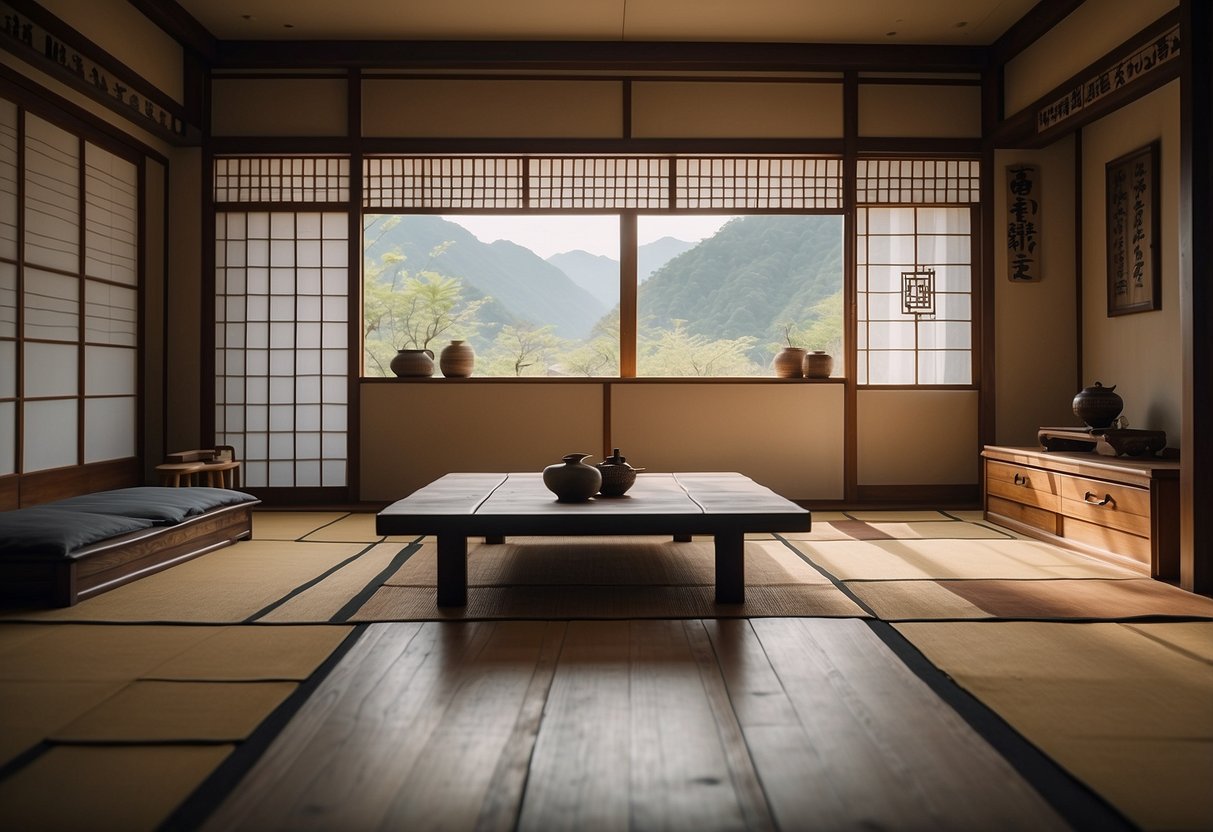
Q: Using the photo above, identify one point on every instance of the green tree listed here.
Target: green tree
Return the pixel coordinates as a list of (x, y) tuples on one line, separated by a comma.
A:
[(409, 310), (523, 350), (599, 356), (677, 352)]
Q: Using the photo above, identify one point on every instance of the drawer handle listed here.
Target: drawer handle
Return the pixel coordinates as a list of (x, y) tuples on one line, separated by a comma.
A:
[(1020, 479), (1093, 498)]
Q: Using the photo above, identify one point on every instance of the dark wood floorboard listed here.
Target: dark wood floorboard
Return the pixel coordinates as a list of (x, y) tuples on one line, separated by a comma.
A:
[(643, 725)]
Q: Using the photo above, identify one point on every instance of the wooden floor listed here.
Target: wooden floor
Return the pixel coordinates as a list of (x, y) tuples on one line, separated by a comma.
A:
[(697, 725)]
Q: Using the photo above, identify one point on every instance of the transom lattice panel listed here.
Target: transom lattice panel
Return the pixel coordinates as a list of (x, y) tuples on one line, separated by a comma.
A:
[(758, 183), (261, 179), (918, 181), (603, 183)]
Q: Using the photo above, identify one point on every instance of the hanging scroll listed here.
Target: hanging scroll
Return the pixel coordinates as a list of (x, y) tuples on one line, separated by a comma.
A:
[(1023, 223), (1132, 197)]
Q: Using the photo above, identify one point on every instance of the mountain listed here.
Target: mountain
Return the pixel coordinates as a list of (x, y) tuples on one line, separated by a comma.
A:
[(524, 287), (755, 273), (599, 274), (596, 273), (652, 256)]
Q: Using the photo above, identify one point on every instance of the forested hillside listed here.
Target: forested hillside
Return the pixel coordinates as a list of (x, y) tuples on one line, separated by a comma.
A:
[(755, 274)]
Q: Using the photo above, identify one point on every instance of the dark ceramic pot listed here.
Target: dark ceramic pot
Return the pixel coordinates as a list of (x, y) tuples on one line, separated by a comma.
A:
[(572, 481), (413, 363), (1098, 406), (617, 475)]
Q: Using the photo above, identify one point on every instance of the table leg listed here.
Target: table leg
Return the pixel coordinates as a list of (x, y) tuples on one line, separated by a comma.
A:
[(682, 538), (452, 570), (730, 567)]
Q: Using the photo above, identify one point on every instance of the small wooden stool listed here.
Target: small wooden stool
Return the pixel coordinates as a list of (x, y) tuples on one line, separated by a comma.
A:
[(172, 472), (221, 474)]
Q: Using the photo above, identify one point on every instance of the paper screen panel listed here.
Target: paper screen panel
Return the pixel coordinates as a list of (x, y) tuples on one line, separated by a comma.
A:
[(52, 306), (111, 211), (49, 433), (8, 300), (8, 369), (51, 369), (8, 180), (110, 371), (109, 428), (8, 438), (52, 196), (281, 332), (110, 314)]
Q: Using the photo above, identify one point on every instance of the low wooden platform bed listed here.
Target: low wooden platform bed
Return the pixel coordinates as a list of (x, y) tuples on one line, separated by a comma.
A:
[(61, 552)]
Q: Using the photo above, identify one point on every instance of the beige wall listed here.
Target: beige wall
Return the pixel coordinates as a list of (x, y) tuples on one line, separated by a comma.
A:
[(663, 109), (1139, 353), (122, 31), (413, 433), (786, 436), (1035, 340), (1090, 32), (917, 437), (919, 110), (789, 437), (460, 107), (278, 106)]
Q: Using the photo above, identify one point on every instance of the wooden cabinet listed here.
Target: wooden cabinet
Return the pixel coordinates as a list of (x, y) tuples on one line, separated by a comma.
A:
[(1118, 508)]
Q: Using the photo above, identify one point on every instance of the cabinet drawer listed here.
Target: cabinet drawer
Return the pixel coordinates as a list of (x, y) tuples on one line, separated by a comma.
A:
[(1020, 484), (1103, 537), (1037, 518), (1106, 504)]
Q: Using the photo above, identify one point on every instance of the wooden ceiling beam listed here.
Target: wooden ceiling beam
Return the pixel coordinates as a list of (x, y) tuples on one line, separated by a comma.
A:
[(1031, 27), (180, 25), (599, 55)]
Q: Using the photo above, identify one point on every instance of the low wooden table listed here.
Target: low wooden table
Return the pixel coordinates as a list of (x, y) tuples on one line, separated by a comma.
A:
[(458, 506)]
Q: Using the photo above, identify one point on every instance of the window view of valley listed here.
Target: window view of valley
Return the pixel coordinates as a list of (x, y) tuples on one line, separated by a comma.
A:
[(720, 305)]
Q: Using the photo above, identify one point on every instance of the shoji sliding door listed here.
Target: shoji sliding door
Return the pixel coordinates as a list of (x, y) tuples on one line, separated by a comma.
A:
[(282, 318), (69, 298)]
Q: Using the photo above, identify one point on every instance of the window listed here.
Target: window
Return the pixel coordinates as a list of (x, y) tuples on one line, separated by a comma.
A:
[(914, 271), (535, 285)]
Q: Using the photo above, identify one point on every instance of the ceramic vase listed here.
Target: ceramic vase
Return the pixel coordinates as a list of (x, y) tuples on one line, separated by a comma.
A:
[(572, 481), (1098, 406), (818, 364), (413, 363), (457, 360), (617, 475), (789, 362)]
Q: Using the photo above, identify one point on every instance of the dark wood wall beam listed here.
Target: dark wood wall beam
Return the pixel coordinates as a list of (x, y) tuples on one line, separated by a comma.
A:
[(600, 55), (1031, 27), (1019, 130), (180, 25), (1196, 296), (322, 145)]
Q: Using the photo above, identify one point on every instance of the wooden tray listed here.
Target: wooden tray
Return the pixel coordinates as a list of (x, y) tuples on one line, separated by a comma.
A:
[(1105, 441)]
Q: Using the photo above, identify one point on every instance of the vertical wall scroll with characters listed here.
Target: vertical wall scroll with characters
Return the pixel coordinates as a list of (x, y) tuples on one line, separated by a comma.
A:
[(1023, 223), (1132, 199)]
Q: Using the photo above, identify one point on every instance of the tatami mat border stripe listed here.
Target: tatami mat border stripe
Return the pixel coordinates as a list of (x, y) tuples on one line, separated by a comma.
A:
[(358, 601), (25, 758), (839, 585), (1081, 807), (194, 811), (303, 587)]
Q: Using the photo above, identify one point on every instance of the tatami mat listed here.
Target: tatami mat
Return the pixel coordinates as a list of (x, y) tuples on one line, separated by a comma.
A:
[(891, 560), (336, 592), (146, 711), (95, 652), (226, 586), (291, 525), (1123, 712), (128, 788), (250, 654), (1019, 599), (353, 528), (32, 710)]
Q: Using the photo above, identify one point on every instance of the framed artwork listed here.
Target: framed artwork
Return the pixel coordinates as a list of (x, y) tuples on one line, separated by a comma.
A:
[(1132, 197)]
